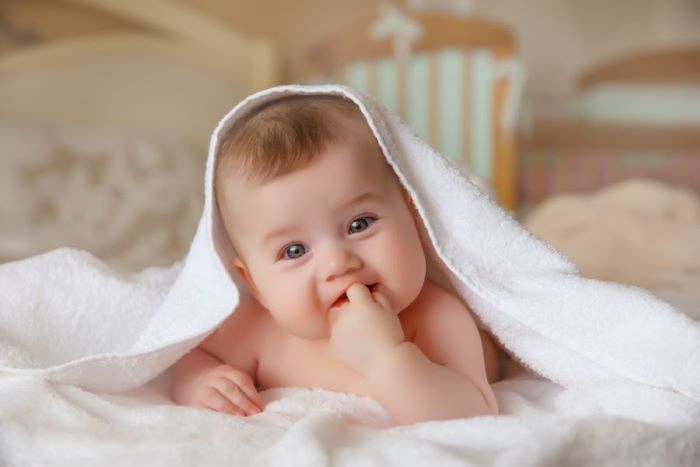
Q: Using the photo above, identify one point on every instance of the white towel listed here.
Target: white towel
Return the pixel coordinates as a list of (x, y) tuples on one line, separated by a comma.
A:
[(66, 317)]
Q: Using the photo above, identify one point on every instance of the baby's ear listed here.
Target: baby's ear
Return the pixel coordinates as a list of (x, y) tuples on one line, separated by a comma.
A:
[(242, 271), (245, 275), (409, 202), (407, 197)]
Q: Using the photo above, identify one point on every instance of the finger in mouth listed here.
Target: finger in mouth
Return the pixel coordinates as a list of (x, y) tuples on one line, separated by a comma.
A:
[(343, 299)]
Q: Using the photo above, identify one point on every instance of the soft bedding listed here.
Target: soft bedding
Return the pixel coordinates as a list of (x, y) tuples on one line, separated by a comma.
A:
[(543, 424), (638, 232)]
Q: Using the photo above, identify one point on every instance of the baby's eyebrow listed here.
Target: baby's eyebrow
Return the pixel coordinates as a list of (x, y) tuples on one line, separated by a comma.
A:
[(366, 196), (278, 233)]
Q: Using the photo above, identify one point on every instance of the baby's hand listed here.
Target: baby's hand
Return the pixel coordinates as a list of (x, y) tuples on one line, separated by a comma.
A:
[(226, 389), (366, 329)]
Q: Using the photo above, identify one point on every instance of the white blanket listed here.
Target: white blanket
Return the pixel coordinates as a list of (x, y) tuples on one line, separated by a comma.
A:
[(66, 320), (613, 424)]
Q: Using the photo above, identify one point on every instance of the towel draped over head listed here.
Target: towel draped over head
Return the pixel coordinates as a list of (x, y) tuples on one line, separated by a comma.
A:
[(64, 316)]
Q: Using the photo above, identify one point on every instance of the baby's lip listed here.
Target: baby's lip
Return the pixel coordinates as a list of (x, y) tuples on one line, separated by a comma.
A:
[(342, 299)]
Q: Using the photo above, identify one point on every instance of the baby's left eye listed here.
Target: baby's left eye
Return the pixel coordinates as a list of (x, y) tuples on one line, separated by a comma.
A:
[(360, 224)]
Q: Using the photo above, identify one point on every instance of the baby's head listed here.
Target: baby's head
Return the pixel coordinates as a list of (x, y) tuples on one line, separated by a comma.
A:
[(311, 207)]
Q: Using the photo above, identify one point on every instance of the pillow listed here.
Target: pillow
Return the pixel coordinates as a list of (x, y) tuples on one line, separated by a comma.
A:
[(637, 232)]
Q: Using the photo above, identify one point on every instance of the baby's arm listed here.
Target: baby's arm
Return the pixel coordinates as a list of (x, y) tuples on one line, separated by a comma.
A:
[(441, 375), (219, 373)]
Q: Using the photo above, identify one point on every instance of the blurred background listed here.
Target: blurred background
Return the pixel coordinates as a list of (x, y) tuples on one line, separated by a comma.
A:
[(580, 117)]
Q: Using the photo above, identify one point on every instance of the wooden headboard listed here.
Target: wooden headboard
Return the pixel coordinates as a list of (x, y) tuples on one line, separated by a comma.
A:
[(666, 66), (169, 67), (635, 117)]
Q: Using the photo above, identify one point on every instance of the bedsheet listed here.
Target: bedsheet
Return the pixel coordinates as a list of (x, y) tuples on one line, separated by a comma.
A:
[(543, 424)]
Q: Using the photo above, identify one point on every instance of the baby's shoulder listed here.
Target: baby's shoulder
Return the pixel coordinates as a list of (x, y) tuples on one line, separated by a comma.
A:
[(446, 330), (433, 297), (431, 304)]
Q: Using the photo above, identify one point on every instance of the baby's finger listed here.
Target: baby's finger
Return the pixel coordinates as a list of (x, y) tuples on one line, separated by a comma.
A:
[(358, 292), (214, 400), (234, 394), (245, 383), (382, 300)]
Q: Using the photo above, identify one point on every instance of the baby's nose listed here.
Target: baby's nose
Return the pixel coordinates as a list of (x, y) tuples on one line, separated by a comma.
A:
[(339, 260)]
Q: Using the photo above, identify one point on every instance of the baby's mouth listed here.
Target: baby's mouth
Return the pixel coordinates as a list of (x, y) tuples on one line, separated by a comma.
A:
[(343, 299)]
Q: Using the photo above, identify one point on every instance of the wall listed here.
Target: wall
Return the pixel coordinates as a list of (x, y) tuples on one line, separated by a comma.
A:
[(559, 39)]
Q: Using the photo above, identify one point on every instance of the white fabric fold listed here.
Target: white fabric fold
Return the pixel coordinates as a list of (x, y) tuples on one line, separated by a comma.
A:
[(542, 424), (66, 317)]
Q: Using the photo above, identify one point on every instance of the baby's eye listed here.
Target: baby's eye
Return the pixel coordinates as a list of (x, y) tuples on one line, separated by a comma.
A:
[(360, 224), (293, 251)]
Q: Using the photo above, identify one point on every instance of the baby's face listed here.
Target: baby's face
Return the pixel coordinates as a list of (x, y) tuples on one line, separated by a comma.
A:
[(305, 237)]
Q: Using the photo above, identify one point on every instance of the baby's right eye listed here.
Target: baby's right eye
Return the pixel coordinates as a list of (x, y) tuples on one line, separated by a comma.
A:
[(293, 251)]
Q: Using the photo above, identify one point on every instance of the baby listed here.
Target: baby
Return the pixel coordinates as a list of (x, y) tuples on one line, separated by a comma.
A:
[(326, 239)]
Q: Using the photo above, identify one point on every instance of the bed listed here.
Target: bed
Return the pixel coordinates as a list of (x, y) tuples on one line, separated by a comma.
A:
[(61, 150), (611, 177), (636, 116)]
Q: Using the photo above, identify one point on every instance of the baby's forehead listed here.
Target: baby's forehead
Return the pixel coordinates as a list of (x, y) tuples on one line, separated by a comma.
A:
[(328, 180), (355, 157)]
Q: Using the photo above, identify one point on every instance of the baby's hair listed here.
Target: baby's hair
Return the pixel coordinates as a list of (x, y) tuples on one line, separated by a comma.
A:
[(282, 135)]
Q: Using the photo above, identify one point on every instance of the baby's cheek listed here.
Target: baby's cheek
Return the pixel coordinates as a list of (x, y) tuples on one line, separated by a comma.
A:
[(294, 308), (406, 252), (281, 300), (403, 268)]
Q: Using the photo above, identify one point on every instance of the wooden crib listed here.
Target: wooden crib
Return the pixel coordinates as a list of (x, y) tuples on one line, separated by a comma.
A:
[(456, 80)]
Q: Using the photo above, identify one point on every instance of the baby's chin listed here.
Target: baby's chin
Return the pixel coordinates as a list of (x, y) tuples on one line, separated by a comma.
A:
[(320, 331)]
